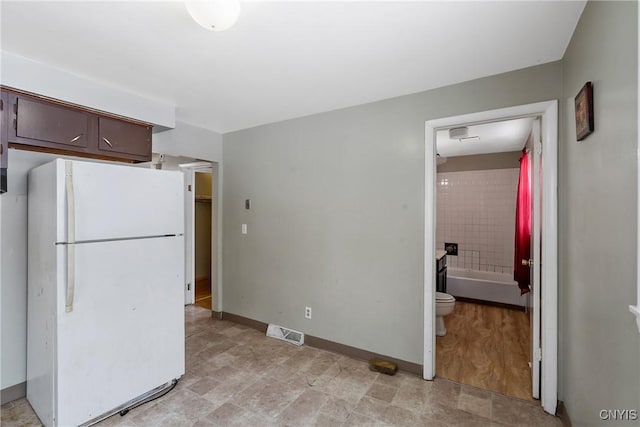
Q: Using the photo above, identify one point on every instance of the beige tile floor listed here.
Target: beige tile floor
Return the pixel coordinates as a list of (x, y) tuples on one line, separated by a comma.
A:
[(238, 377)]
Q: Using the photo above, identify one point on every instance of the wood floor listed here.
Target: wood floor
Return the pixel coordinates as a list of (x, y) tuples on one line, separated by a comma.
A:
[(486, 347), (203, 292)]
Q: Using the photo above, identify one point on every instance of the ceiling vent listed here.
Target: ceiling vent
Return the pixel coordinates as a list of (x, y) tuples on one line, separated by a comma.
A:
[(457, 133)]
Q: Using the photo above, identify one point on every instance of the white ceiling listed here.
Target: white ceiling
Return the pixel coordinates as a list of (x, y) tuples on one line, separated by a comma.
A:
[(496, 137), (286, 59)]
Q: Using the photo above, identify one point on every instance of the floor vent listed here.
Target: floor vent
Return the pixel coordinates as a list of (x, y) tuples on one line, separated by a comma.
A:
[(284, 334)]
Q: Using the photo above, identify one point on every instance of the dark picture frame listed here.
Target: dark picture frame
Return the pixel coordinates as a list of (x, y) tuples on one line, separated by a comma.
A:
[(584, 111)]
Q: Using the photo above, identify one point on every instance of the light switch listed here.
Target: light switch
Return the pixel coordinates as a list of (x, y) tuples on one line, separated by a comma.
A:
[(244, 228)]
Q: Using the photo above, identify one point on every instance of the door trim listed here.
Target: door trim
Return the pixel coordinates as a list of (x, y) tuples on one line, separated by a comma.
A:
[(635, 309), (548, 110), (216, 229), (536, 256)]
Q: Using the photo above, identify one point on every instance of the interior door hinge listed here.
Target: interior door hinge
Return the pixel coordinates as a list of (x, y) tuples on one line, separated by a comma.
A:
[(188, 286), (189, 187), (537, 356)]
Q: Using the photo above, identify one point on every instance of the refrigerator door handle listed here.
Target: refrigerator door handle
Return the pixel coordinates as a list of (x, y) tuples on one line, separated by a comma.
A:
[(71, 236)]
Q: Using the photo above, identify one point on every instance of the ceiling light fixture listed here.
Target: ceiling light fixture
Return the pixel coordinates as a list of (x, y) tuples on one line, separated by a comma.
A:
[(214, 15)]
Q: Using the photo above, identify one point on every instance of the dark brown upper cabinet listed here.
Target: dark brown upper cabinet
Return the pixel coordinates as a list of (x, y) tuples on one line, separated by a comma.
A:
[(4, 149), (41, 124), (4, 145), (47, 125), (117, 136)]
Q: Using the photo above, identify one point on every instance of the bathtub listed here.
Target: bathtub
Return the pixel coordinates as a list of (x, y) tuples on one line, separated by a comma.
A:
[(485, 286)]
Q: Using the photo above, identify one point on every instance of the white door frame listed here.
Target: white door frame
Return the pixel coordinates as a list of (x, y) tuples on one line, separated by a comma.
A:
[(535, 254), (635, 309), (190, 169), (549, 112)]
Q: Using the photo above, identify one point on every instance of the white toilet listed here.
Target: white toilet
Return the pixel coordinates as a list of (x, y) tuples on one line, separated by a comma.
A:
[(444, 305)]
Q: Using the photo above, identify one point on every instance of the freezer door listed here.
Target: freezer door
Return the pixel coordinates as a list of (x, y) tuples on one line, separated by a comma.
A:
[(125, 335), (118, 202)]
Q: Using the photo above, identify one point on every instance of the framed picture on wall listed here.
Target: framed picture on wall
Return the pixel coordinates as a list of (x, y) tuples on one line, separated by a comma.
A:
[(584, 111)]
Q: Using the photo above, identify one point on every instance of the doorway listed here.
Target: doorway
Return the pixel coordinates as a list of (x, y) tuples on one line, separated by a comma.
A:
[(486, 341), (545, 352), (202, 239)]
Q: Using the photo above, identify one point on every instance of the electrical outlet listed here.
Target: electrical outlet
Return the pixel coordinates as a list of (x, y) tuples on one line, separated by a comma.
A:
[(307, 312)]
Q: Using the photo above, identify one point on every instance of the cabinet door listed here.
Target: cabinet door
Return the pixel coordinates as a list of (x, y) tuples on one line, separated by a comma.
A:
[(4, 144), (441, 280), (3, 131), (46, 124), (124, 138)]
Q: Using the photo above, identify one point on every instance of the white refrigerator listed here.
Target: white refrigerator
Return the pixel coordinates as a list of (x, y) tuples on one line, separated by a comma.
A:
[(105, 287)]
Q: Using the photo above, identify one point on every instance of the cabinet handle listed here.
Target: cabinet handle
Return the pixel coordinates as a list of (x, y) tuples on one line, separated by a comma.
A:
[(74, 139), (107, 141)]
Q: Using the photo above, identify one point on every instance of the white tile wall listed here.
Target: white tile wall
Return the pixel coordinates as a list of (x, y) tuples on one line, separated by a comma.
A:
[(477, 210)]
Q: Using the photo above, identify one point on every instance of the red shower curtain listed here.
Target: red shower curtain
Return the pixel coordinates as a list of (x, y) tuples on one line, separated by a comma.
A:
[(523, 227)]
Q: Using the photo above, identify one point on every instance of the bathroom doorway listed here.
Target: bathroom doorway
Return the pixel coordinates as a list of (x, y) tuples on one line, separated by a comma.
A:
[(543, 353), (486, 341)]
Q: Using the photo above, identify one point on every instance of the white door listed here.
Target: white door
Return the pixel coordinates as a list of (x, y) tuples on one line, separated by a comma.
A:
[(189, 240), (536, 259)]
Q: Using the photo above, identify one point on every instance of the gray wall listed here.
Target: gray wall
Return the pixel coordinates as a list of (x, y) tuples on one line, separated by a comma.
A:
[(599, 342), (507, 160), (13, 271), (338, 210), (189, 141)]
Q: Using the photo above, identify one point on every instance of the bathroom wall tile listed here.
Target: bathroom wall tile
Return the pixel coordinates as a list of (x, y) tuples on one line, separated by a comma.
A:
[(476, 209)]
